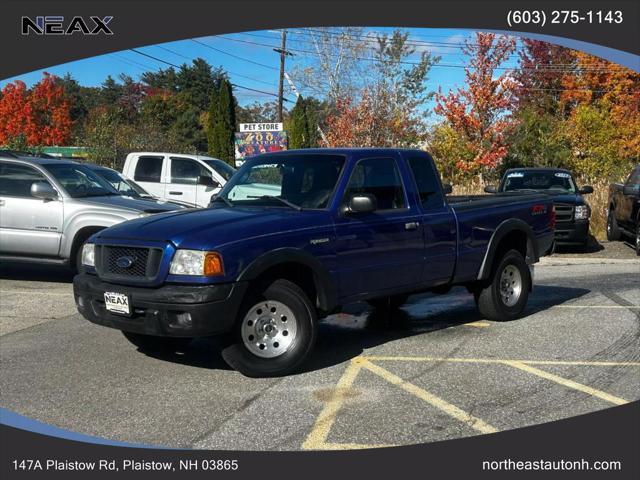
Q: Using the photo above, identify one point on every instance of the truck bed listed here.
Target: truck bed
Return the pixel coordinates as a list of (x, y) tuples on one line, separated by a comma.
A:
[(471, 202)]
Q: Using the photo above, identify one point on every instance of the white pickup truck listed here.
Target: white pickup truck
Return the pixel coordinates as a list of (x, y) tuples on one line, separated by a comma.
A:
[(193, 179)]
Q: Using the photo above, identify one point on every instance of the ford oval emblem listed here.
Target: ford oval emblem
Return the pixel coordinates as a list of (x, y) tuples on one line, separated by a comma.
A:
[(125, 262)]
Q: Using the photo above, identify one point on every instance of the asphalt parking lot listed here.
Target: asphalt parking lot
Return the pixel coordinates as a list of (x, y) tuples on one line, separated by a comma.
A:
[(435, 370)]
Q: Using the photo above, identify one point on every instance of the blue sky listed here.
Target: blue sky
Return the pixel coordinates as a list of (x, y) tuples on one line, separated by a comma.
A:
[(256, 47)]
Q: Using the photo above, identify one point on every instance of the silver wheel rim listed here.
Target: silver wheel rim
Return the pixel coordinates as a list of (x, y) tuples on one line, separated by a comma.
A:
[(510, 285), (269, 329), (638, 239)]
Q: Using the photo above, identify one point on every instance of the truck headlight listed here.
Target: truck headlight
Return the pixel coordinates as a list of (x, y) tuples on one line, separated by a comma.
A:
[(581, 212), (196, 262), (88, 255)]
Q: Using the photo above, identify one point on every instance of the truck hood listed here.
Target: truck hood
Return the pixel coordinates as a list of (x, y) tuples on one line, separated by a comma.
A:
[(208, 228), (569, 198), (129, 203)]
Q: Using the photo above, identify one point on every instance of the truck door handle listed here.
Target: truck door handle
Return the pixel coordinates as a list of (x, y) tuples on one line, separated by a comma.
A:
[(175, 193), (411, 225), (1, 203)]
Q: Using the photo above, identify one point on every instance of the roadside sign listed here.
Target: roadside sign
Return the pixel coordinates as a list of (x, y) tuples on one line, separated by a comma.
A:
[(261, 127), (252, 143)]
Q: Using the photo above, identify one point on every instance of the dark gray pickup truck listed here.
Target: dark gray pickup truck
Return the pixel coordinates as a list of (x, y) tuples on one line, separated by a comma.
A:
[(623, 217)]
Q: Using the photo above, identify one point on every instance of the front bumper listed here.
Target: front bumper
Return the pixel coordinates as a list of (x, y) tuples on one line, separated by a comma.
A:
[(572, 232), (170, 310)]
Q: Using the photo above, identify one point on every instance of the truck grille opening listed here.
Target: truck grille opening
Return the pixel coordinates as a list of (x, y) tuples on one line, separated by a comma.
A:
[(115, 261), (564, 213)]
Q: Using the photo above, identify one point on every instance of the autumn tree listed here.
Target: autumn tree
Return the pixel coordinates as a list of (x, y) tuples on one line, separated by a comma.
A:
[(390, 110), (40, 116), (479, 113)]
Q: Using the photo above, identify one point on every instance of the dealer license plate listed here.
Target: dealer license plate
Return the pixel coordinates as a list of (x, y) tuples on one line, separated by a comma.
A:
[(117, 303)]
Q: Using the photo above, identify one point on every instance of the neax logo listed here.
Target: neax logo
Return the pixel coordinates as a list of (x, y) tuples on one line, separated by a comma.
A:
[(56, 25)]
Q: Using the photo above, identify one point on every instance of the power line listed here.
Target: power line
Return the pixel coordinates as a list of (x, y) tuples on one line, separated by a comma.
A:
[(541, 68), (228, 71), (176, 66), (232, 55)]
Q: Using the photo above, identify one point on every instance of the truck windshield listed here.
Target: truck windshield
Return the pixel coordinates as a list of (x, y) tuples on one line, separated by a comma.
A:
[(223, 169), (287, 180), (79, 181), (538, 180), (118, 182)]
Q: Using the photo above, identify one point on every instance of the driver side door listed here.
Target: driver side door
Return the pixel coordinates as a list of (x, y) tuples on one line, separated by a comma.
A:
[(28, 225), (381, 250)]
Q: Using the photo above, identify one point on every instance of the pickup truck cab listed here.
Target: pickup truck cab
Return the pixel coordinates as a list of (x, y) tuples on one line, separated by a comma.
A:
[(334, 226), (623, 216), (50, 207), (572, 210), (192, 179)]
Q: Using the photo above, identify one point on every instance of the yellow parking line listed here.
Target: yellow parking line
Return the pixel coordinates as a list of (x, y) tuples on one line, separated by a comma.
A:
[(348, 446), (430, 398), (567, 383), (479, 323), (498, 361), (316, 440)]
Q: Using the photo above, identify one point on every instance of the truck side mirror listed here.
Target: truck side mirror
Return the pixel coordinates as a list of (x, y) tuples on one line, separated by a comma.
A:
[(586, 189), (447, 188), (43, 190), (631, 190), (491, 189), (362, 203), (207, 181)]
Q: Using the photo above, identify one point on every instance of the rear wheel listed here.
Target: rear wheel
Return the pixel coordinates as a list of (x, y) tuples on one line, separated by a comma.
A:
[(613, 232), (275, 331), (506, 296), (152, 343), (392, 302)]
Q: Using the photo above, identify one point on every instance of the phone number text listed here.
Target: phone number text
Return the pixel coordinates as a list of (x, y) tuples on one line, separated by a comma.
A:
[(541, 17)]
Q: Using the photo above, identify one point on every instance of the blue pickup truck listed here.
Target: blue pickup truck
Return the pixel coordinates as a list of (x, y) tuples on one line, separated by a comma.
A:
[(295, 235)]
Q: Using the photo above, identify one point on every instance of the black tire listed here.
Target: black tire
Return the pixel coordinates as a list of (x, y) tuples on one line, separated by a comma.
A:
[(287, 295), (637, 239), (490, 300), (613, 232), (152, 343), (392, 302)]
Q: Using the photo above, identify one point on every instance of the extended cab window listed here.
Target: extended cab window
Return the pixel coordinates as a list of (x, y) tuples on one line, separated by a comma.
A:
[(16, 180), (427, 182), (148, 169), (186, 171), (378, 177)]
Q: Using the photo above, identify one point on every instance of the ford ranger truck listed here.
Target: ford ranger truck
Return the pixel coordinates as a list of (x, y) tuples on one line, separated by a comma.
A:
[(333, 227)]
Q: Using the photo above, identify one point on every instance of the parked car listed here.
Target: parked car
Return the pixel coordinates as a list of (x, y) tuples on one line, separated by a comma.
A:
[(347, 225), (623, 216), (50, 207), (171, 176), (572, 210), (128, 187)]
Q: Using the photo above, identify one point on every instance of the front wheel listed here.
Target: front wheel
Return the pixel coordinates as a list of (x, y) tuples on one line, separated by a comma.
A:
[(275, 331), (153, 343), (506, 296)]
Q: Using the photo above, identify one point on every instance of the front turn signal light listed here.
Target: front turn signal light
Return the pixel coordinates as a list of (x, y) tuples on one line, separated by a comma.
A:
[(213, 264)]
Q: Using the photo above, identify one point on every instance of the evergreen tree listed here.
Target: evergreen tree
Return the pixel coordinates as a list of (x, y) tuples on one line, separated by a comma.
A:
[(221, 124), (301, 131)]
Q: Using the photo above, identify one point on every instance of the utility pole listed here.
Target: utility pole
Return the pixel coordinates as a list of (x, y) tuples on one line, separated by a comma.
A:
[(283, 54)]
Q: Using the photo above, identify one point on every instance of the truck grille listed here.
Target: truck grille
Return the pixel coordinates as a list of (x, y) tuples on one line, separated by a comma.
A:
[(564, 213), (123, 262)]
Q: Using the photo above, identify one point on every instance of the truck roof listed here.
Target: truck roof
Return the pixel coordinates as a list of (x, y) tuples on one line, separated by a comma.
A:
[(537, 169), (37, 160), (344, 150)]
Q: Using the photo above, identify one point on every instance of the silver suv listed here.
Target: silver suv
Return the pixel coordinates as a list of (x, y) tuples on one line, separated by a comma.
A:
[(50, 207)]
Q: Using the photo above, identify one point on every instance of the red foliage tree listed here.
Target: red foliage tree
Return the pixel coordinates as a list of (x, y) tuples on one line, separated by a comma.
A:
[(479, 113), (41, 115), (14, 112)]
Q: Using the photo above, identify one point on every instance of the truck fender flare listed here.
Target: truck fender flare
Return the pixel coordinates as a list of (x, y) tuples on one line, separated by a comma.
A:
[(506, 227), (327, 295)]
